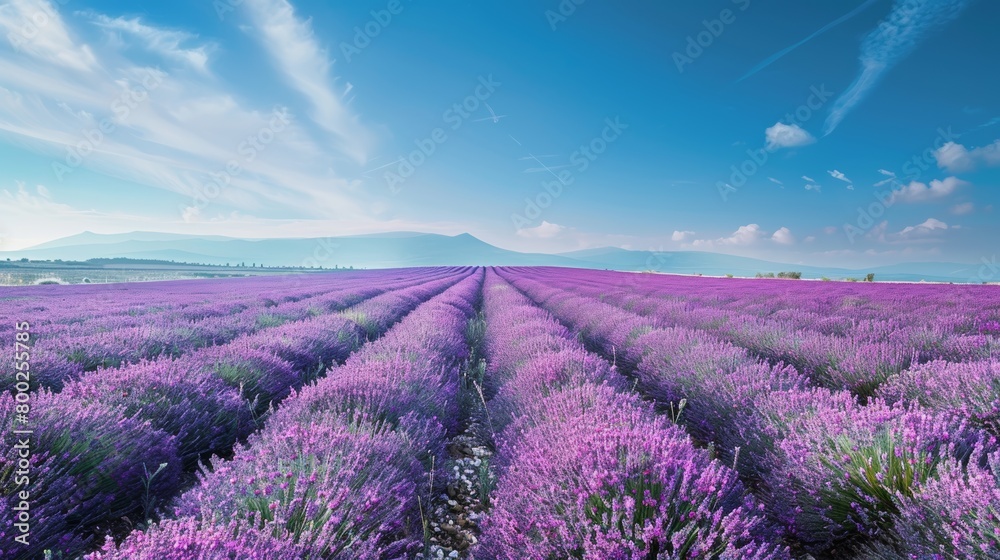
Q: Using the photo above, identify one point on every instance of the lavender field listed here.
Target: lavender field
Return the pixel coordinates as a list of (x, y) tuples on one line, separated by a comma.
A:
[(500, 413)]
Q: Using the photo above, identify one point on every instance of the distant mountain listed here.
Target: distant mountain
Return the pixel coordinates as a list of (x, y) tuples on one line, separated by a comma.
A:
[(90, 238), (371, 251), (403, 249)]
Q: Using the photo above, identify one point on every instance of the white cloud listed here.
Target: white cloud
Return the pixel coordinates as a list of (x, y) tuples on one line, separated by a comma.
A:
[(838, 175), (295, 50), (35, 27), (681, 235), (184, 130), (922, 192), (24, 207), (775, 181), (928, 226), (963, 208), (887, 173), (787, 136), (891, 41), (957, 158), (165, 42), (783, 237), (744, 236), (816, 188), (545, 230)]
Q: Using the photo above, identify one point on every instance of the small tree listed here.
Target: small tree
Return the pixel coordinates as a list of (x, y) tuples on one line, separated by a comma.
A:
[(870, 277)]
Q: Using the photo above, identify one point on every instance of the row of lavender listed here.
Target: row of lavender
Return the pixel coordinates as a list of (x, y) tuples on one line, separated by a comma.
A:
[(956, 324), (343, 467), (827, 307), (70, 338), (114, 444), (587, 470), (907, 475)]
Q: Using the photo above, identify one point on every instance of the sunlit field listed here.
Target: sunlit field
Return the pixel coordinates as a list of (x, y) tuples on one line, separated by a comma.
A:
[(500, 413)]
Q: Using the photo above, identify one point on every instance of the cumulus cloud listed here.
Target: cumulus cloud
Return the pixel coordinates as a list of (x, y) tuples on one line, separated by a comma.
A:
[(787, 136), (681, 235), (545, 230), (783, 236), (957, 158), (743, 236), (923, 192)]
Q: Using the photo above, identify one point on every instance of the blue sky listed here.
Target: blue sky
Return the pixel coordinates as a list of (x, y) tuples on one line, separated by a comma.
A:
[(843, 133)]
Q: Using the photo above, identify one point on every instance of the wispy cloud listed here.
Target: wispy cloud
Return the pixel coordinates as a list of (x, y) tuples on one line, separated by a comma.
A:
[(165, 42), (295, 51), (839, 175), (963, 208), (778, 55), (37, 28), (171, 128), (893, 40)]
